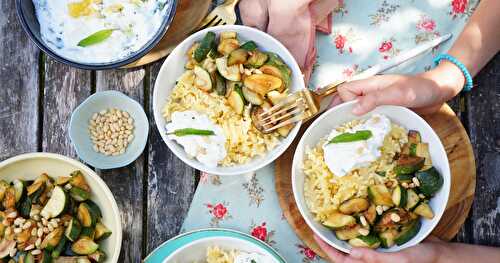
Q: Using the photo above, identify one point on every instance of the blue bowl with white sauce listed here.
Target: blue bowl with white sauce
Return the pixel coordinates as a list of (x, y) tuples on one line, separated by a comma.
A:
[(96, 34)]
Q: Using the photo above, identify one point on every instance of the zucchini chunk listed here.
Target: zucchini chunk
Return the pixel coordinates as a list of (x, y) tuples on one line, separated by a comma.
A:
[(9, 200), (238, 56), (422, 150), (257, 59), (59, 248), (24, 208), (73, 230), (220, 84), (430, 181), (387, 238), (86, 216), (279, 72), (232, 85), (228, 72), (262, 83), (370, 241), (408, 232), (52, 239), (236, 100), (3, 187), (202, 79), (412, 199), (355, 205), (380, 195), (425, 210), (386, 222), (399, 196), (19, 189), (405, 178), (338, 220), (56, 204), (249, 46), (97, 256), (101, 232), (408, 164), (228, 45), (84, 246), (79, 194), (227, 35), (252, 97), (95, 208), (370, 214), (348, 232), (414, 137), (78, 180), (207, 43), (62, 180), (88, 232)]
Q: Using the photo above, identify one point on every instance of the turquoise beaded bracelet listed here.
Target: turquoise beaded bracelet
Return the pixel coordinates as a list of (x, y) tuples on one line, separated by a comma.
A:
[(452, 59)]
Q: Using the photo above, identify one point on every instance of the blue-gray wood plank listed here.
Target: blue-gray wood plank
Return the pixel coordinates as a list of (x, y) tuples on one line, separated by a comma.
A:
[(38, 94)]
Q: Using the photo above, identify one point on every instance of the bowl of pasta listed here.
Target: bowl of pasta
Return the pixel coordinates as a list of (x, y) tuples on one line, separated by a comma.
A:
[(379, 181)]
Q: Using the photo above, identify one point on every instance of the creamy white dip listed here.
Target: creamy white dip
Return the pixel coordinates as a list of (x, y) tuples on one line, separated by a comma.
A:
[(244, 257), (64, 23), (209, 150), (341, 158)]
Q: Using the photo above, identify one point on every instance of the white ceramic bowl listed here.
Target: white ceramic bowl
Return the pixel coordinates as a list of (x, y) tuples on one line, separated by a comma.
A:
[(196, 251), (172, 69), (322, 126), (30, 166)]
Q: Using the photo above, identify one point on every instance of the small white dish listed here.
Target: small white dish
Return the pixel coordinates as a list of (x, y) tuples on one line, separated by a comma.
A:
[(338, 115), (172, 69), (30, 166), (80, 136)]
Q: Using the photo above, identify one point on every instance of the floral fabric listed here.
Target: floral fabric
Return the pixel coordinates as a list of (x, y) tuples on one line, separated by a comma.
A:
[(363, 34)]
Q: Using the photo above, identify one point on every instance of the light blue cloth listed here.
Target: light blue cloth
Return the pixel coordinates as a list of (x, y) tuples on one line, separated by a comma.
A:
[(364, 33)]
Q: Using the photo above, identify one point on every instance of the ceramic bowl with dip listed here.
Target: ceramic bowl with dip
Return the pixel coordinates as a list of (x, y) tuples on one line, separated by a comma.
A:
[(96, 34), (325, 145)]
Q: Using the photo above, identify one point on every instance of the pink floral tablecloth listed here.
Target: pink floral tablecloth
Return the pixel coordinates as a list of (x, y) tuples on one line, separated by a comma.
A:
[(364, 33)]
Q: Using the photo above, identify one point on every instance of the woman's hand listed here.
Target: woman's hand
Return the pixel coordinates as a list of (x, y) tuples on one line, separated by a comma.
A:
[(424, 93), (426, 252)]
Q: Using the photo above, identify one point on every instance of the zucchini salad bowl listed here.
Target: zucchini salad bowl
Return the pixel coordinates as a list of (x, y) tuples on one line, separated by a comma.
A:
[(55, 209), (378, 181), (210, 90)]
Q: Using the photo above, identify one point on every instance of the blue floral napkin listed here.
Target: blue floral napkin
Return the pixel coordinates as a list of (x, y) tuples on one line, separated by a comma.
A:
[(364, 33)]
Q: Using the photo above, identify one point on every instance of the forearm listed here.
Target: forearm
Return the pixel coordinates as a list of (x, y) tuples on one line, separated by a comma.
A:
[(456, 252), (476, 45)]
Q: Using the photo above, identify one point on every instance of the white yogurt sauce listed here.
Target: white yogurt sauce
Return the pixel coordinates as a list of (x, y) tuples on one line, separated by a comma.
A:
[(209, 150), (341, 158), (244, 257), (135, 23)]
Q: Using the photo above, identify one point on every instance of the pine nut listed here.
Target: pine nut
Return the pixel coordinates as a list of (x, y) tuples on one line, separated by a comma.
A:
[(363, 221), (38, 242), (50, 228), (33, 232), (36, 252), (422, 196), (363, 231), (404, 184), (45, 230), (12, 215), (395, 217), (17, 230), (416, 181), (39, 232), (379, 209), (385, 208), (30, 247), (27, 225)]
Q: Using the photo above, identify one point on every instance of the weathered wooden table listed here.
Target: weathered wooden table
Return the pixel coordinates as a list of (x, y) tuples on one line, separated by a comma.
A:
[(38, 94)]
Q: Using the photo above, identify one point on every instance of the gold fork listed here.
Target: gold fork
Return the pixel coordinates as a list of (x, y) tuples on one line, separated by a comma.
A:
[(224, 14), (304, 105)]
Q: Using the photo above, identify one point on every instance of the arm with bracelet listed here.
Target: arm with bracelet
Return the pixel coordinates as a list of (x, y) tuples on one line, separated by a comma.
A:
[(426, 92)]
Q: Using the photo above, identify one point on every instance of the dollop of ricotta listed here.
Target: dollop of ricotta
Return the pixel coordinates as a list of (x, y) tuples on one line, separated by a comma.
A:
[(341, 158), (209, 150), (244, 257)]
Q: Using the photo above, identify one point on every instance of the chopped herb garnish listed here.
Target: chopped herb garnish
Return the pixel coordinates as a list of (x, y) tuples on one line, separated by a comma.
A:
[(381, 173), (96, 38), (352, 137), (191, 131), (252, 261)]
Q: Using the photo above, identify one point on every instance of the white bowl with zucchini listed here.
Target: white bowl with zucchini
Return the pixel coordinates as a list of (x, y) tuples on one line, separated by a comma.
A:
[(55, 209), (211, 88), (380, 181)]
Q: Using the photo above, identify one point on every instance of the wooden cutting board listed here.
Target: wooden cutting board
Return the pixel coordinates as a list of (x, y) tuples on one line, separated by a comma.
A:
[(188, 16), (463, 182)]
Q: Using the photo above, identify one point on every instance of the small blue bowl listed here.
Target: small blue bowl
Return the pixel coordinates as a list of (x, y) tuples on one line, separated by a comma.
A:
[(80, 136)]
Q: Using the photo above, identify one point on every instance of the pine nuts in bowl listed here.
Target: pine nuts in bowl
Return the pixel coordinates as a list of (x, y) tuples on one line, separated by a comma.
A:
[(109, 130)]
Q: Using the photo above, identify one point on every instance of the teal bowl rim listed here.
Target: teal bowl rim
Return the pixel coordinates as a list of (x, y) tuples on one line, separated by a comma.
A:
[(133, 156), (170, 246)]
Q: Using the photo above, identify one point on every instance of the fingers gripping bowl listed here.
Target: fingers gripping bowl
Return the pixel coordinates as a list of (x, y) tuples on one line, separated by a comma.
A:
[(225, 114), (364, 180)]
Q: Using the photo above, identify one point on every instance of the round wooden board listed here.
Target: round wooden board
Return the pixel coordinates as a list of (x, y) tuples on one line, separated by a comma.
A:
[(463, 183), (188, 16)]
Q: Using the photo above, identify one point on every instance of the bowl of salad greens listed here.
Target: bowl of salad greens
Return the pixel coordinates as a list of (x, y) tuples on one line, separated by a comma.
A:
[(55, 209)]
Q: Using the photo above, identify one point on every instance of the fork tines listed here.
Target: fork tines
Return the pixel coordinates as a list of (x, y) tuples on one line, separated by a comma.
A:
[(288, 111)]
